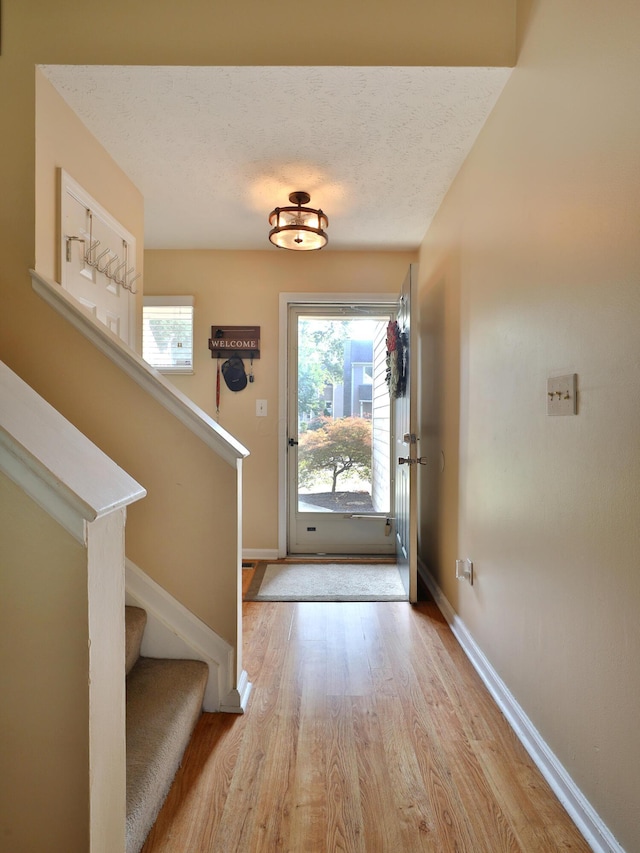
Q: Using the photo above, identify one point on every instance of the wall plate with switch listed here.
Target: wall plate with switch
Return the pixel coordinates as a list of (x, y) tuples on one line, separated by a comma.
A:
[(562, 395), (261, 408)]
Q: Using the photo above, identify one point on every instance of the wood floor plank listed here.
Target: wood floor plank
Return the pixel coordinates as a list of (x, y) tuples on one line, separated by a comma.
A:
[(356, 650), (460, 678), (338, 683), (381, 671), (453, 825), (273, 804), (367, 731), (451, 818), (345, 826), (413, 813), (374, 777), (490, 826), (195, 802), (453, 722), (530, 823), (308, 824), (240, 827)]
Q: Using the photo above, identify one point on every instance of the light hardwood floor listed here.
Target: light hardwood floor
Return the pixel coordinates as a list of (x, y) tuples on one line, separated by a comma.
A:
[(367, 731)]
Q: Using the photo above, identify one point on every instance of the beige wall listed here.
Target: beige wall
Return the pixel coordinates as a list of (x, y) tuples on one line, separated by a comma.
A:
[(362, 32), (62, 141), (530, 270), (44, 712), (236, 288), (190, 491), (187, 491), (52, 357)]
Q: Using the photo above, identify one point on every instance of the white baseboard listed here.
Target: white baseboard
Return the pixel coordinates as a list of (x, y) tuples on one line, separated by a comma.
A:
[(585, 817), (237, 699), (174, 632), (260, 554)]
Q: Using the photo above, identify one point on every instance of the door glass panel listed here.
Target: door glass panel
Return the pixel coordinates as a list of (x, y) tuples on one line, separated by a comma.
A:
[(343, 415)]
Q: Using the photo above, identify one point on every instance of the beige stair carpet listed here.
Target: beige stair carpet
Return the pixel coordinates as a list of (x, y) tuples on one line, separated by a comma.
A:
[(164, 702), (135, 620)]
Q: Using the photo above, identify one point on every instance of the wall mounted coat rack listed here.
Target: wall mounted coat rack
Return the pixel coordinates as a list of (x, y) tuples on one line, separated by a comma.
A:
[(241, 341)]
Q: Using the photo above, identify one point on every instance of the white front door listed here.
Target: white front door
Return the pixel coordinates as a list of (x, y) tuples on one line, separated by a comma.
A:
[(97, 260), (339, 430), (407, 457)]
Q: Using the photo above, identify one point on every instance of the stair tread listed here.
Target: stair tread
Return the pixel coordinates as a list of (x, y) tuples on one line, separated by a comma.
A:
[(135, 619), (164, 702)]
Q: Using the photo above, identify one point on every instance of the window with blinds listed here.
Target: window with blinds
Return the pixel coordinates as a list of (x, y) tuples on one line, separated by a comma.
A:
[(167, 333)]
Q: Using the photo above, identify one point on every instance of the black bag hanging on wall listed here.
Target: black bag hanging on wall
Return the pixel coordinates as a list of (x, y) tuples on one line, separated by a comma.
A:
[(234, 373)]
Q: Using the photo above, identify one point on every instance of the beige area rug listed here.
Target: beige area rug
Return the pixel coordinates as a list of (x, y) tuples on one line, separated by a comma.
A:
[(326, 582)]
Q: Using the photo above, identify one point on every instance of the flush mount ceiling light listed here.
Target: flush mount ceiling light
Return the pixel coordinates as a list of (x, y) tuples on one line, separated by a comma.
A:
[(297, 227)]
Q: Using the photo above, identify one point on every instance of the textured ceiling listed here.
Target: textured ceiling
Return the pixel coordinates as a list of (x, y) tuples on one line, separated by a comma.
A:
[(214, 149)]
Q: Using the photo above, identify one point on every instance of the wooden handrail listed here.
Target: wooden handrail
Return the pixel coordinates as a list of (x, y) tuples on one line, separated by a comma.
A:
[(54, 463)]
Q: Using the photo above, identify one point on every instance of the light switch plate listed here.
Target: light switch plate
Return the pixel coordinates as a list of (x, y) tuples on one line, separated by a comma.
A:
[(464, 570), (562, 395), (261, 408)]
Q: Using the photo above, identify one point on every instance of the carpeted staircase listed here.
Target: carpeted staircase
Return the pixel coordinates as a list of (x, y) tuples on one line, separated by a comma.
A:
[(164, 702)]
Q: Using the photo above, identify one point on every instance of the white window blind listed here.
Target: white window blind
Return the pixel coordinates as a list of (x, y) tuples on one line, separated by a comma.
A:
[(167, 333)]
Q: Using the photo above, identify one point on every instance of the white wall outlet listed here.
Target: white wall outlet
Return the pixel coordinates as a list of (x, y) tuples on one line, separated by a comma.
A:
[(261, 408), (464, 570), (562, 395)]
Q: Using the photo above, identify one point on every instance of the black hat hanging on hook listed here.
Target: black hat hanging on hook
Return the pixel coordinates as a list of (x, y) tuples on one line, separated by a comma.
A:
[(234, 374)]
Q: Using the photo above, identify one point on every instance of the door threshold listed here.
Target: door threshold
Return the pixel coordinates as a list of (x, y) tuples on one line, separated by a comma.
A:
[(339, 558)]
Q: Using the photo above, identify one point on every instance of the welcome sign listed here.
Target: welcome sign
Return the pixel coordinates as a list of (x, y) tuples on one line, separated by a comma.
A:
[(243, 341)]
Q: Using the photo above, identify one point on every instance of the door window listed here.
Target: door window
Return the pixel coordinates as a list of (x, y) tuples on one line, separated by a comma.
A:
[(340, 418)]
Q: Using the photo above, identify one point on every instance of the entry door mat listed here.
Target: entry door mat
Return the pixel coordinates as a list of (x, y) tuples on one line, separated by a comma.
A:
[(326, 582)]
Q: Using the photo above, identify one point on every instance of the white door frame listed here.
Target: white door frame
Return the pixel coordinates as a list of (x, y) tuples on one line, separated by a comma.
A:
[(286, 299)]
